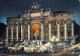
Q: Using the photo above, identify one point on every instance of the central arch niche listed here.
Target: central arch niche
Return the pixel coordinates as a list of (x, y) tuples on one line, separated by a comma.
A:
[(35, 28)]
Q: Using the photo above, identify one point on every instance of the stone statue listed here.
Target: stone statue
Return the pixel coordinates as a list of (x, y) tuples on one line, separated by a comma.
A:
[(35, 35)]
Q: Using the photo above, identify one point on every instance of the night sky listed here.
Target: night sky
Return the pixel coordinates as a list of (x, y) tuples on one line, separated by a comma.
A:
[(12, 8)]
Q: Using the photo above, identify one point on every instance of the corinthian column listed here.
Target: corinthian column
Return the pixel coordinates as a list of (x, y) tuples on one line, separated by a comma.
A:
[(42, 32), (73, 32), (58, 30), (22, 36), (65, 30), (49, 30), (7, 32), (16, 32), (72, 29), (12, 33), (28, 30)]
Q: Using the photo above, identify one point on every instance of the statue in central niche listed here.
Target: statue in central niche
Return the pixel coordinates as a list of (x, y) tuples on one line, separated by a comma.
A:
[(34, 35)]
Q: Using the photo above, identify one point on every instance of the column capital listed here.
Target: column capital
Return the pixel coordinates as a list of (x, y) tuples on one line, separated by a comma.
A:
[(7, 25), (42, 21), (21, 23), (58, 22), (25, 24), (49, 21), (12, 25), (72, 21), (16, 24), (29, 22), (65, 22)]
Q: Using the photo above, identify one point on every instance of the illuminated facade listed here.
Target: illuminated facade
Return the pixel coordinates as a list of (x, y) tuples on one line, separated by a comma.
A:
[(40, 24)]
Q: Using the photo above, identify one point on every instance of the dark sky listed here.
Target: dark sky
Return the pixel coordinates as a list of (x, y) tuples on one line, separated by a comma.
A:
[(11, 8)]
